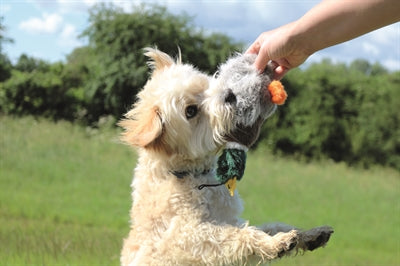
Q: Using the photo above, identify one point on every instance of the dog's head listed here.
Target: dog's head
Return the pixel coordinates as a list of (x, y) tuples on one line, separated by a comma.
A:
[(183, 111), (169, 115)]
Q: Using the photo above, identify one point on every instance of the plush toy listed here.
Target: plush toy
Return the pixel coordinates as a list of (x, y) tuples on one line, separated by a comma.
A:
[(240, 76), (232, 162)]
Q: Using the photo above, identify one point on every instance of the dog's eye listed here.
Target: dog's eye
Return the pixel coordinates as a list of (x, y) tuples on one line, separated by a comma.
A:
[(191, 111)]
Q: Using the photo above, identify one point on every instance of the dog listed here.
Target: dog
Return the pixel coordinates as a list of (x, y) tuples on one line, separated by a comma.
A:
[(179, 124)]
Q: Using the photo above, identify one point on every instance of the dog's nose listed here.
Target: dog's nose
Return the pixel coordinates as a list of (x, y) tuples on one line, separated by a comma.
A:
[(230, 97)]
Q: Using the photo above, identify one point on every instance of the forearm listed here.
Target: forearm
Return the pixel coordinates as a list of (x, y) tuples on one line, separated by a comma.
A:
[(336, 21)]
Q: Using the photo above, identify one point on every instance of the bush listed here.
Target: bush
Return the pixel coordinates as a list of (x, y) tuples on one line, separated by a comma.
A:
[(334, 111), (118, 70), (38, 93), (339, 113)]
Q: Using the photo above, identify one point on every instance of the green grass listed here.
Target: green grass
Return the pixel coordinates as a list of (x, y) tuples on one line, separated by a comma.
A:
[(65, 199), (65, 193), (362, 206)]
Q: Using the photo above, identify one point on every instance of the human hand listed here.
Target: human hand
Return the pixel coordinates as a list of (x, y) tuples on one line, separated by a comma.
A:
[(329, 23), (280, 47)]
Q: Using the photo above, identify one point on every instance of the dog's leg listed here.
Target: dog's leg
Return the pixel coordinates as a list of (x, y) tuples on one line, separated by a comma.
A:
[(227, 245), (314, 238), (308, 240), (274, 228)]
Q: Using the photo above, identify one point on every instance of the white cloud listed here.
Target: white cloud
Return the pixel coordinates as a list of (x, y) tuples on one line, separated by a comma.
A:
[(391, 64), (125, 5), (68, 6), (63, 20), (386, 35), (48, 23), (89, 2), (241, 20), (40, 4), (69, 37), (370, 49), (64, 6), (73, 6), (4, 9)]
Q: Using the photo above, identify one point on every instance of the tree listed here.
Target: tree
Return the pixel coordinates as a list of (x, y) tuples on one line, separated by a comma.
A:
[(119, 68), (29, 64), (5, 67), (39, 93), (75, 75), (5, 64), (366, 68), (338, 112)]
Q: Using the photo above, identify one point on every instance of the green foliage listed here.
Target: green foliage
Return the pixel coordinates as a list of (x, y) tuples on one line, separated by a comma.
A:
[(376, 130), (334, 111), (29, 64), (3, 38), (119, 69), (103, 78), (5, 67), (5, 64), (339, 112), (41, 92), (363, 66)]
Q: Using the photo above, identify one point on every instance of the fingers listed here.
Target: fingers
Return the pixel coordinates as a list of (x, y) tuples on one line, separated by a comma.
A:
[(263, 58), (280, 72)]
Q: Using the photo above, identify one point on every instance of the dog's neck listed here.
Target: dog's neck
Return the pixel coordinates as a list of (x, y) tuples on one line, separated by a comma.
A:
[(183, 167), (195, 173), (178, 165)]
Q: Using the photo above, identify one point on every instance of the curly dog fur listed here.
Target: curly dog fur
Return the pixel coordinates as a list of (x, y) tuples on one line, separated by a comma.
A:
[(179, 125)]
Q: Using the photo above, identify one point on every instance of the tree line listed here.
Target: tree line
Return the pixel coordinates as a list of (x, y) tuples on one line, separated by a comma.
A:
[(342, 112)]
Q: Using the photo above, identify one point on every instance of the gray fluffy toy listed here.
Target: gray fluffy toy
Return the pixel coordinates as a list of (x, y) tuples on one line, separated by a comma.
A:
[(254, 97)]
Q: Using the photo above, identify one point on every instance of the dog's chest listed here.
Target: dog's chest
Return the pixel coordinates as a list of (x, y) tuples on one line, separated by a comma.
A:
[(173, 198), (213, 204)]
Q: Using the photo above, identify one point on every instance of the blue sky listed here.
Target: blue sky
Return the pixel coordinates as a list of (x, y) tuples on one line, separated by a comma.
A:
[(49, 29)]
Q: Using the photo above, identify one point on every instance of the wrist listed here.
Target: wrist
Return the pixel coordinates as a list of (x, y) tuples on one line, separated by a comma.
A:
[(300, 39)]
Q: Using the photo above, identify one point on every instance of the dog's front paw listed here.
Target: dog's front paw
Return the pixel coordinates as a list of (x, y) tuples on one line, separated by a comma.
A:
[(286, 242), (315, 238)]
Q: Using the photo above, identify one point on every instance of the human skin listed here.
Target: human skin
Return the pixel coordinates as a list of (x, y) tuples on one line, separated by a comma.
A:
[(329, 23)]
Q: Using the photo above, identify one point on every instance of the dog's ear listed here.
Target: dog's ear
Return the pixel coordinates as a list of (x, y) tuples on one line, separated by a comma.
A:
[(159, 60), (142, 128)]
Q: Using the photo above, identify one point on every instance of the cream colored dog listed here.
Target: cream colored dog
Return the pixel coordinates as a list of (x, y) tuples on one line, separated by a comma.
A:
[(179, 124)]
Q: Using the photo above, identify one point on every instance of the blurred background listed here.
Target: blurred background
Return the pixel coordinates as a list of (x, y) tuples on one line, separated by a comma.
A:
[(50, 30), (70, 69)]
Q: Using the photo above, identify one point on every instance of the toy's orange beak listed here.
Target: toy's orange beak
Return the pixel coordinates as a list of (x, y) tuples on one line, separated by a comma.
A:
[(277, 91)]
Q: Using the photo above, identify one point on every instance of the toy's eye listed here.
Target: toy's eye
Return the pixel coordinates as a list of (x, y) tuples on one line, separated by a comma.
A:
[(191, 111), (230, 97)]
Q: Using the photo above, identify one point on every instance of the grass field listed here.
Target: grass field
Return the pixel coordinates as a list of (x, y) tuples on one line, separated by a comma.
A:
[(65, 198)]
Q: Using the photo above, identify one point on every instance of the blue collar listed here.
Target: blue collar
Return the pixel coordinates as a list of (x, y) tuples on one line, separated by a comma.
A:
[(182, 174)]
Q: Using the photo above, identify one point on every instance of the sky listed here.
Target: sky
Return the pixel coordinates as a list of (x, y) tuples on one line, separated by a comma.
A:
[(50, 29)]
